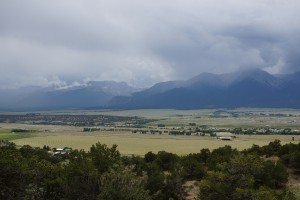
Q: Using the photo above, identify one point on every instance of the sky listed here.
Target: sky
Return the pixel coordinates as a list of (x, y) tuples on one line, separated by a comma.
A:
[(144, 42)]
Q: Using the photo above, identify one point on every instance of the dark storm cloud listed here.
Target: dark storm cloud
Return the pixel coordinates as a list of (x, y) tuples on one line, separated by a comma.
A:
[(143, 42), (275, 48)]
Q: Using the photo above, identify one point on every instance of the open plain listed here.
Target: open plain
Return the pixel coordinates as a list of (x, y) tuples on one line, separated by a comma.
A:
[(139, 144)]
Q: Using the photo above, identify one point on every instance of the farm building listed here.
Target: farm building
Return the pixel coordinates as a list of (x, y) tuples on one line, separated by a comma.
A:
[(225, 136), (61, 151)]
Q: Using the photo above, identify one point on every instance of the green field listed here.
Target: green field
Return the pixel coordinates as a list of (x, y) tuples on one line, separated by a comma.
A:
[(6, 134)]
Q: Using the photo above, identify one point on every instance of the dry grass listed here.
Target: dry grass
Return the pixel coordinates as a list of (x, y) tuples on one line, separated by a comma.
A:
[(59, 136), (137, 144), (294, 183), (192, 189), (128, 143), (204, 117)]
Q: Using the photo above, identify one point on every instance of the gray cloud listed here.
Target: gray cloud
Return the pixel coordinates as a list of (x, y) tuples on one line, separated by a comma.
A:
[(143, 42)]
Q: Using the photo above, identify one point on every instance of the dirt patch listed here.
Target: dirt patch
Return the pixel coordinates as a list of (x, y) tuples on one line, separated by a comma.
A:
[(192, 190), (294, 182)]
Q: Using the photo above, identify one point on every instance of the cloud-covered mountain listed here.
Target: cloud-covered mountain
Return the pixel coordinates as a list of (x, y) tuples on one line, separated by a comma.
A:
[(89, 95), (249, 88)]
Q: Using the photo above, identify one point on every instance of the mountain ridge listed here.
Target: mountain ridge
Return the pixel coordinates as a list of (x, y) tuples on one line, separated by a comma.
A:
[(247, 88), (91, 94)]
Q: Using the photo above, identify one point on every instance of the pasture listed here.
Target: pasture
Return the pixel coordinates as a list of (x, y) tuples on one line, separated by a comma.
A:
[(6, 134), (139, 144), (129, 143), (241, 117)]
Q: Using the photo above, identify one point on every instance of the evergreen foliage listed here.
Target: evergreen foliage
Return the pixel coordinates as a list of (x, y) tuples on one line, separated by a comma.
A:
[(104, 174)]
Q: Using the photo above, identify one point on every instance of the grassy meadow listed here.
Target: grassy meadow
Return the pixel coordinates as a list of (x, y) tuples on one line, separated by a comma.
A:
[(129, 143), (6, 134)]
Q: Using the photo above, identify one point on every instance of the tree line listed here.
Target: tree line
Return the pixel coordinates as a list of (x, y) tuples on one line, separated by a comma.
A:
[(103, 173)]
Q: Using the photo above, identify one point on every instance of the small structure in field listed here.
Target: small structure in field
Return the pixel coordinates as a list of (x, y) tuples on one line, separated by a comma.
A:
[(225, 136)]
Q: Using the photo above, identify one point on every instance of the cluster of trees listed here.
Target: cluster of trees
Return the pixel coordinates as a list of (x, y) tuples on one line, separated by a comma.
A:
[(151, 131), (17, 130), (75, 120), (265, 131), (103, 173), (87, 129)]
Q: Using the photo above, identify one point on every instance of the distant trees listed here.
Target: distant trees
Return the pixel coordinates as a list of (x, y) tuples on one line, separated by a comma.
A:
[(264, 131)]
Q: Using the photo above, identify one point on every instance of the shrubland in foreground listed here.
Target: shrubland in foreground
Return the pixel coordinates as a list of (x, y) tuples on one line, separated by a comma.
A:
[(103, 173)]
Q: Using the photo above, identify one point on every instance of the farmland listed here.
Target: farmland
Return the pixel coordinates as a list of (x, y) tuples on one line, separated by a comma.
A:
[(141, 144), (6, 134), (155, 135), (117, 128)]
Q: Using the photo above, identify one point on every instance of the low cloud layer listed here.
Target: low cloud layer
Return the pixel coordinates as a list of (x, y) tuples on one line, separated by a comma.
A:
[(144, 42)]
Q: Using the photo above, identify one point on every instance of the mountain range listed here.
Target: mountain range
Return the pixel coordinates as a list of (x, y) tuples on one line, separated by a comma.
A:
[(247, 88), (93, 94)]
